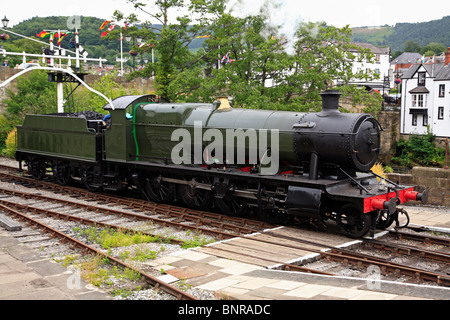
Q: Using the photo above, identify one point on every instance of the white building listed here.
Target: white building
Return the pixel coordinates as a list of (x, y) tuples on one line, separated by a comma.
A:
[(426, 99), (381, 66)]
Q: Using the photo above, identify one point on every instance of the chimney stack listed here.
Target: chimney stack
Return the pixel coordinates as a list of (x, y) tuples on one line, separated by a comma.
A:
[(330, 101), (447, 56)]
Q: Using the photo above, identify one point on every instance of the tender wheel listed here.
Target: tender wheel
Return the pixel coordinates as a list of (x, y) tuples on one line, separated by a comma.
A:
[(88, 178), (37, 169), (157, 190), (352, 222), (193, 197), (232, 205), (62, 174)]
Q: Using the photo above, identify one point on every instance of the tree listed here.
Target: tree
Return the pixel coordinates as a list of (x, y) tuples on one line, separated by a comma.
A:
[(241, 54), (169, 39), (434, 48), (411, 46), (34, 94)]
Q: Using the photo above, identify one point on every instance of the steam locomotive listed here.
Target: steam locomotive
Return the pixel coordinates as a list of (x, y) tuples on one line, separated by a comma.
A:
[(279, 165)]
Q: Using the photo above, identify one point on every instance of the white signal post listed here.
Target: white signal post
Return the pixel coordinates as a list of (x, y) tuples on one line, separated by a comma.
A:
[(51, 65)]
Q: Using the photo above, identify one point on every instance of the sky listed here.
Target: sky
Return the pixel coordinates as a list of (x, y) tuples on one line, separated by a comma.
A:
[(338, 13)]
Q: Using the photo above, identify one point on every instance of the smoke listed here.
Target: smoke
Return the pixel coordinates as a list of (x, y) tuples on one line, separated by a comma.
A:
[(280, 15)]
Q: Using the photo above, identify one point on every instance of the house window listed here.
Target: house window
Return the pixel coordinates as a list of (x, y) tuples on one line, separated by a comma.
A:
[(441, 113), (425, 120), (442, 90), (420, 100), (417, 101), (421, 81), (414, 119), (377, 58)]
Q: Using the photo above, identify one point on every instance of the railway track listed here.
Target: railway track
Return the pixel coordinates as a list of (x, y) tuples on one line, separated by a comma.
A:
[(192, 219), (380, 253), (243, 228), (157, 284), (93, 209)]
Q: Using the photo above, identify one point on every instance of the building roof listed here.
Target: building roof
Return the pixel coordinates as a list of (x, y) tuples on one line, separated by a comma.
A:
[(374, 49), (411, 71), (408, 57), (444, 73), (419, 90), (439, 71)]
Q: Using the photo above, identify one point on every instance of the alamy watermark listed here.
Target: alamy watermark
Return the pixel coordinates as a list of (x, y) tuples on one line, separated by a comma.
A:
[(373, 275), (227, 147)]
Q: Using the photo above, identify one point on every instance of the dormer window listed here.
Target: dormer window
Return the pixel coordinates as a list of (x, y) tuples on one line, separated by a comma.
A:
[(421, 80)]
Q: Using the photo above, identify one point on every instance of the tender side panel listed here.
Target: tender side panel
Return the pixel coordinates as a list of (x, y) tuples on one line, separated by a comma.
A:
[(62, 137)]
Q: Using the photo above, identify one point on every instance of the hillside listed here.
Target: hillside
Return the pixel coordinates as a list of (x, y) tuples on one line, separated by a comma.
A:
[(89, 33), (90, 37), (422, 33)]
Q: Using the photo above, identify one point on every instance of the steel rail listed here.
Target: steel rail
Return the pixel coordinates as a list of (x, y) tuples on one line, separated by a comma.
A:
[(422, 238), (188, 214), (179, 294), (219, 234), (174, 211), (409, 250), (69, 217), (288, 266), (360, 259)]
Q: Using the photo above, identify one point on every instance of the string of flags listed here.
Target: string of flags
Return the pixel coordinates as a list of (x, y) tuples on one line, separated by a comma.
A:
[(226, 59), (53, 35), (144, 45)]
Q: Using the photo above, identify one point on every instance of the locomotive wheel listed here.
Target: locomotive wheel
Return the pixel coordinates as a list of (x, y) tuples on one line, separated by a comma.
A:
[(157, 190), (385, 220), (232, 205), (37, 169), (352, 222), (193, 197)]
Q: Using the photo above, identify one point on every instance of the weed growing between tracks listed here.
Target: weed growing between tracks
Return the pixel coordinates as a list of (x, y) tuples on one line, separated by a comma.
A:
[(135, 249)]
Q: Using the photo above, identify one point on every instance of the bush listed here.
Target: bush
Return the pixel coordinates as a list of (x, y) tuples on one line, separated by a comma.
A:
[(419, 150), (10, 144)]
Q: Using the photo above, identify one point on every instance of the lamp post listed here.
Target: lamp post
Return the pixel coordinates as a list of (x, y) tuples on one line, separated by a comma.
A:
[(5, 22), (128, 38)]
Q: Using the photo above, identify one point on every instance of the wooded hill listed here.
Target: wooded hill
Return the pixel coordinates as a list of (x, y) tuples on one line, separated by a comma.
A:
[(89, 34), (422, 33)]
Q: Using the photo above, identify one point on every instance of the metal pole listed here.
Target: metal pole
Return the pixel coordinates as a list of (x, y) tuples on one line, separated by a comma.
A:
[(446, 153), (121, 54)]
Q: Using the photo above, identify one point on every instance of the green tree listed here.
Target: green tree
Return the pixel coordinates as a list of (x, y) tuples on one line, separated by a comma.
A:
[(434, 48), (411, 46), (34, 94), (169, 36)]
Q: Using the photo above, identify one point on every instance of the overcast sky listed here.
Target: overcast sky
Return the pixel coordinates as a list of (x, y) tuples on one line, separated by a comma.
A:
[(335, 12)]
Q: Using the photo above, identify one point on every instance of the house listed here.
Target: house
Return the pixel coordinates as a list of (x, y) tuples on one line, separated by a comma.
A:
[(380, 66), (426, 98), (403, 62)]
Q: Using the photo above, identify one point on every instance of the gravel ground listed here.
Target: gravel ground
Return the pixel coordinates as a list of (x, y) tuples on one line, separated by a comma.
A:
[(59, 252)]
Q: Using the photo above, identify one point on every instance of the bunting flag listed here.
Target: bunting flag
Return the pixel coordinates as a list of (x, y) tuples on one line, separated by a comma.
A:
[(225, 58), (111, 28), (104, 25), (104, 34), (43, 35), (62, 38), (125, 26), (201, 37)]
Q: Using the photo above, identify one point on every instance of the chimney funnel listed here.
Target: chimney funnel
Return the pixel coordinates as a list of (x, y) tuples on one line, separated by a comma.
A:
[(330, 101)]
